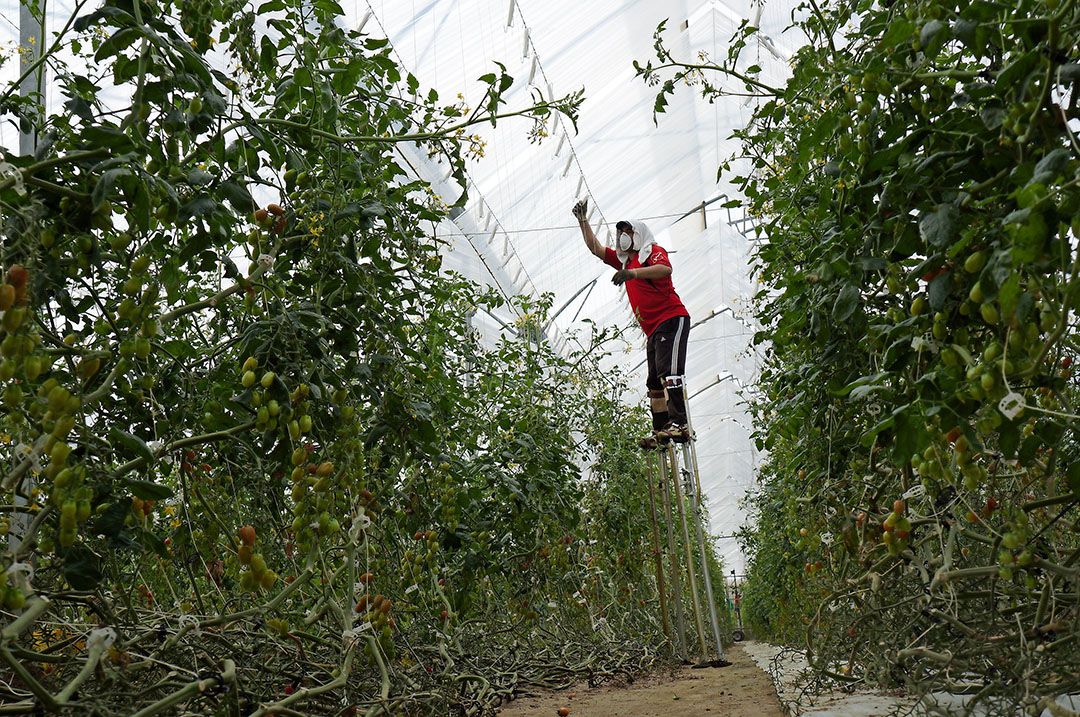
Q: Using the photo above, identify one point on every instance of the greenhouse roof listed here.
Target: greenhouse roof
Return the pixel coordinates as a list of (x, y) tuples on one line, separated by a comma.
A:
[(518, 212)]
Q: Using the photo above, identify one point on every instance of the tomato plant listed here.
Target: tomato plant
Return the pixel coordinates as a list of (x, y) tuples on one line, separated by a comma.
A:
[(255, 458), (915, 182)]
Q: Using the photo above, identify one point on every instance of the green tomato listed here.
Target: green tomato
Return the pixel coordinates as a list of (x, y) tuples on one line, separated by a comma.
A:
[(975, 262), (989, 313)]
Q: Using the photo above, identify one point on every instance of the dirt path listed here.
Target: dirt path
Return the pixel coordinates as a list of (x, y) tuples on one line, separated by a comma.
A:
[(741, 690)]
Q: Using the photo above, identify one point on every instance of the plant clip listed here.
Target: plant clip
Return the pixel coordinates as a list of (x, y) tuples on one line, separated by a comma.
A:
[(104, 636), (23, 568), (1011, 405), (916, 491), (186, 620)]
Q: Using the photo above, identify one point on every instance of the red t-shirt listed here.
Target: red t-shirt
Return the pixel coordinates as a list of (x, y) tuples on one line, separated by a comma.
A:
[(654, 301)]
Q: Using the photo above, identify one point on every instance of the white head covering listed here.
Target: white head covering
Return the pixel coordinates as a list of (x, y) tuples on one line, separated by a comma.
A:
[(642, 243)]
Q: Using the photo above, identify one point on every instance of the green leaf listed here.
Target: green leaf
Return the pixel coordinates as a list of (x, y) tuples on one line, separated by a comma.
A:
[(899, 31), (964, 30), (82, 568), (964, 354), (846, 302), (197, 207), (152, 542), (148, 490), (1028, 238), (993, 117), (1009, 295), (860, 392), (867, 438), (863, 381), (1052, 166), (908, 241), (1012, 74), (113, 13), (238, 196), (331, 8), (911, 436), (268, 56), (932, 37), (105, 136), (938, 290), (104, 186), (939, 227), (110, 522), (374, 209), (133, 444), (1008, 438), (116, 42), (1072, 476)]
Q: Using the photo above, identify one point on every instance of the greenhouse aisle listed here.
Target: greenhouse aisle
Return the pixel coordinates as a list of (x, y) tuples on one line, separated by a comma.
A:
[(397, 358), (740, 690)]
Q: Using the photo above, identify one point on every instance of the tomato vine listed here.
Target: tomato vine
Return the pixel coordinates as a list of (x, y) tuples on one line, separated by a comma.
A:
[(915, 183), (255, 457)]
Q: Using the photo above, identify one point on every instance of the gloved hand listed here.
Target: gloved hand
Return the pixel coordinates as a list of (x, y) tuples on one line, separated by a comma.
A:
[(581, 210), (622, 276)]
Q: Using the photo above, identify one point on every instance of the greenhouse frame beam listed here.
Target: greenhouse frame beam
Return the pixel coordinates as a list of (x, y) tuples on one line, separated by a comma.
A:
[(31, 37), (567, 303)]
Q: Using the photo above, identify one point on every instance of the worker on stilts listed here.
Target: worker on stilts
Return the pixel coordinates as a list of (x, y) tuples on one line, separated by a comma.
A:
[(643, 266)]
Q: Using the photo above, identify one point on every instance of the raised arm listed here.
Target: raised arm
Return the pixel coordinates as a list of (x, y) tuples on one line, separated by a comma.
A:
[(581, 211)]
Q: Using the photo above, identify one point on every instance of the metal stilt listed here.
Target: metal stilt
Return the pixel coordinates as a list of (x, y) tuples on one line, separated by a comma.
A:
[(689, 451), (707, 579), (680, 503), (659, 564), (673, 562)]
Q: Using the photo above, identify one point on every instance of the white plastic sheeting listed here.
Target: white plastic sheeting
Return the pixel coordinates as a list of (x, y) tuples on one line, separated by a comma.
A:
[(517, 232), (627, 166)]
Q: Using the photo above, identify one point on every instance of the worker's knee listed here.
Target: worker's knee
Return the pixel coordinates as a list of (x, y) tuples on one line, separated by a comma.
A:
[(673, 383)]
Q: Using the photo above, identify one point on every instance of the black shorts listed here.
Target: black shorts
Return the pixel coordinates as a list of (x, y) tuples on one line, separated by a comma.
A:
[(665, 350)]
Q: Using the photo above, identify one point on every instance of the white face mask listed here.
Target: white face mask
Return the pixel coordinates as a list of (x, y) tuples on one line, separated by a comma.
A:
[(625, 242)]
